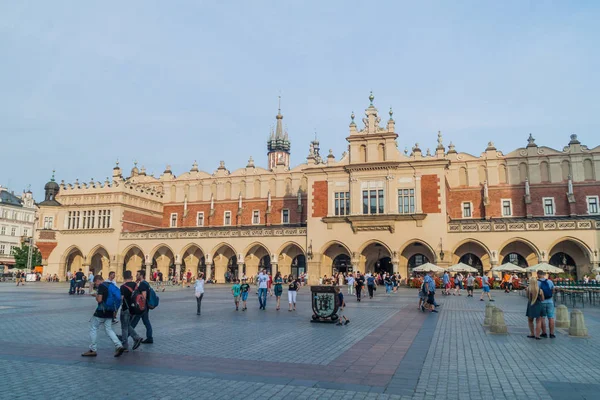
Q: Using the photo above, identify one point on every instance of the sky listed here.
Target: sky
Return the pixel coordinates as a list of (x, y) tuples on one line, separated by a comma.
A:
[(84, 84)]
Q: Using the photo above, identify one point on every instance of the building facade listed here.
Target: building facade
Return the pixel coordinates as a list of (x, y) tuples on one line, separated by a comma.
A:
[(374, 208), (17, 222)]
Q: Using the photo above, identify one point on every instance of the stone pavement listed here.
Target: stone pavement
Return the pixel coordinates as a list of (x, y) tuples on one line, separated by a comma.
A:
[(389, 350)]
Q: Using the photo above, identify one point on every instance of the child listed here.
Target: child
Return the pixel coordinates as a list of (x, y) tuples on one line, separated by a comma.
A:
[(245, 288), (340, 296), (235, 290)]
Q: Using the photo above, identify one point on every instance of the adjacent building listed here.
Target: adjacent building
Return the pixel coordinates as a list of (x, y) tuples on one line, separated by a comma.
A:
[(374, 208), (17, 222)]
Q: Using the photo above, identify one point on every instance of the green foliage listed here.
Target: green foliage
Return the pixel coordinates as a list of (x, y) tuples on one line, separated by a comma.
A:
[(21, 253)]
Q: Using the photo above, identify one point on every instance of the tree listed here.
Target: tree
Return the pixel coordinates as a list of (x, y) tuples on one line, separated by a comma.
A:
[(21, 254)]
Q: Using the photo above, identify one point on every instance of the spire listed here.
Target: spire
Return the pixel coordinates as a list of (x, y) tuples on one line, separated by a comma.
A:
[(279, 127), (371, 98)]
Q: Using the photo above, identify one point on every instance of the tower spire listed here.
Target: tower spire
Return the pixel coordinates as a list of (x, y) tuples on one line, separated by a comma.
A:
[(279, 117)]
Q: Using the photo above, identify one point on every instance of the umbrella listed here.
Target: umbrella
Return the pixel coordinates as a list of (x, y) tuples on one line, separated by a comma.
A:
[(428, 267), (545, 267), (597, 269), (461, 267), (508, 267)]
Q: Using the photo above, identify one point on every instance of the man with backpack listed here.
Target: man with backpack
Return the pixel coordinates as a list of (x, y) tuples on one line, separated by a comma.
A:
[(144, 289), (127, 330), (547, 304), (109, 300)]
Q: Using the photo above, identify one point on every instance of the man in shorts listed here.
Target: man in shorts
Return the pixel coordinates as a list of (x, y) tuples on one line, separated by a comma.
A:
[(470, 284), (245, 288), (446, 282), (485, 285), (236, 290), (547, 304), (429, 288)]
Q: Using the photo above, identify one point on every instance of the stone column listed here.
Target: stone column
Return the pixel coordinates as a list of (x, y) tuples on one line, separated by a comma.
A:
[(418, 197), (240, 265), (177, 270), (114, 267), (314, 269), (209, 265), (274, 268)]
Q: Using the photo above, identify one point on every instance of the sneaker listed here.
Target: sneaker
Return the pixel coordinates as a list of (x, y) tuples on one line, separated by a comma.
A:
[(89, 353), (119, 351), (137, 343), (148, 341), (114, 321), (347, 322), (435, 311), (480, 299), (552, 336), (422, 308), (544, 335), (492, 300)]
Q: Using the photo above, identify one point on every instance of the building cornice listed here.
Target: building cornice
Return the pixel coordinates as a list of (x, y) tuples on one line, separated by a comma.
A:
[(383, 222)]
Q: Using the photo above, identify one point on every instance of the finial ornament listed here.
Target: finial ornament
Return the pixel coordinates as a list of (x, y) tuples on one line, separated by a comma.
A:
[(135, 163), (371, 97), (53, 172), (352, 116), (391, 112), (250, 163)]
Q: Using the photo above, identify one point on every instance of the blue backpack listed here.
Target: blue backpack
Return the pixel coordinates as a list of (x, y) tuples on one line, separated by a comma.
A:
[(113, 300), (545, 286), (152, 299)]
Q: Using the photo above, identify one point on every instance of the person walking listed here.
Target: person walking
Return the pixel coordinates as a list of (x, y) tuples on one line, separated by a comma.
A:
[(470, 284), (91, 282), (245, 288), (199, 291), (236, 290), (429, 288), (262, 281), (446, 282), (485, 285), (127, 330), (387, 280), (102, 316), (360, 283), (547, 288), (341, 279), (350, 284), (293, 288), (458, 283), (535, 296), (144, 288), (371, 285), (278, 281)]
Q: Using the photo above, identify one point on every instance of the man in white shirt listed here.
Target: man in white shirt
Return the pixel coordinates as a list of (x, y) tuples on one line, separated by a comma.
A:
[(199, 289), (262, 280), (598, 277)]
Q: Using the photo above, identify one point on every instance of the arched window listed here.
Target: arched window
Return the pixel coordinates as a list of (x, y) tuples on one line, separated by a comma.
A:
[(502, 173), (565, 166), (362, 153), (416, 260), (228, 190), (588, 170), (463, 177), (515, 258), (381, 152), (482, 173), (544, 172), (522, 172), (342, 264), (256, 188), (564, 261), (473, 261)]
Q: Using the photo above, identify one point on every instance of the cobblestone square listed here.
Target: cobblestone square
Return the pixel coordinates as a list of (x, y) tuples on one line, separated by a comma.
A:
[(389, 350)]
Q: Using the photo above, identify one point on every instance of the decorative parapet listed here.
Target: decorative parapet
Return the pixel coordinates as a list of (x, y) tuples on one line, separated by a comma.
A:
[(370, 222), (520, 226), (85, 231), (215, 233)]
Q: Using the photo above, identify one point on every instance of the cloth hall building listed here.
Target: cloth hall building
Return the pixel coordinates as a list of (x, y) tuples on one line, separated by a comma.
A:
[(374, 208)]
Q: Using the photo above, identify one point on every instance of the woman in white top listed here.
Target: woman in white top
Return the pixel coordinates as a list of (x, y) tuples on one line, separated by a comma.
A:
[(350, 284), (199, 290)]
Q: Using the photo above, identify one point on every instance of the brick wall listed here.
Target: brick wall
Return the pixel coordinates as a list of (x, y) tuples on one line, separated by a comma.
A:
[(248, 208), (135, 221), (46, 248), (320, 199), (430, 194), (456, 197)]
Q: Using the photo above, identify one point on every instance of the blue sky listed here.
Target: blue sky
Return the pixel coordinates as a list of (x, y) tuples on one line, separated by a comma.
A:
[(85, 83)]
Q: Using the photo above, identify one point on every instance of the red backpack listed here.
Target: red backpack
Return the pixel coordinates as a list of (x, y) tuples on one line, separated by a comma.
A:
[(137, 305)]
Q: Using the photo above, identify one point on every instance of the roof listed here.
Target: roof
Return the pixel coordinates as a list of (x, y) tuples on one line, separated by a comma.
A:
[(7, 197)]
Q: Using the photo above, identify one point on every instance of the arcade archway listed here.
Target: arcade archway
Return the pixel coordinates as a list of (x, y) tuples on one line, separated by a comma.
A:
[(193, 260), (133, 260), (100, 262), (226, 263), (335, 256), (413, 254), (376, 258), (520, 252)]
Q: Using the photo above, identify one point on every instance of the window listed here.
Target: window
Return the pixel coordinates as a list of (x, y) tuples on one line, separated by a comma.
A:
[(173, 220), (200, 219), (26, 232), (227, 218), (406, 201), (104, 219), (548, 205), (13, 231), (3, 230), (48, 222), (506, 207), (285, 216), (592, 204), (466, 209), (342, 203), (12, 250), (2, 249), (255, 217), (373, 201)]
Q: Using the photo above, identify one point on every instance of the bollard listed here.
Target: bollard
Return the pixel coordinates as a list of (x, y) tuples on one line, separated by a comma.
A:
[(488, 314), (562, 316), (498, 323), (577, 327)]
